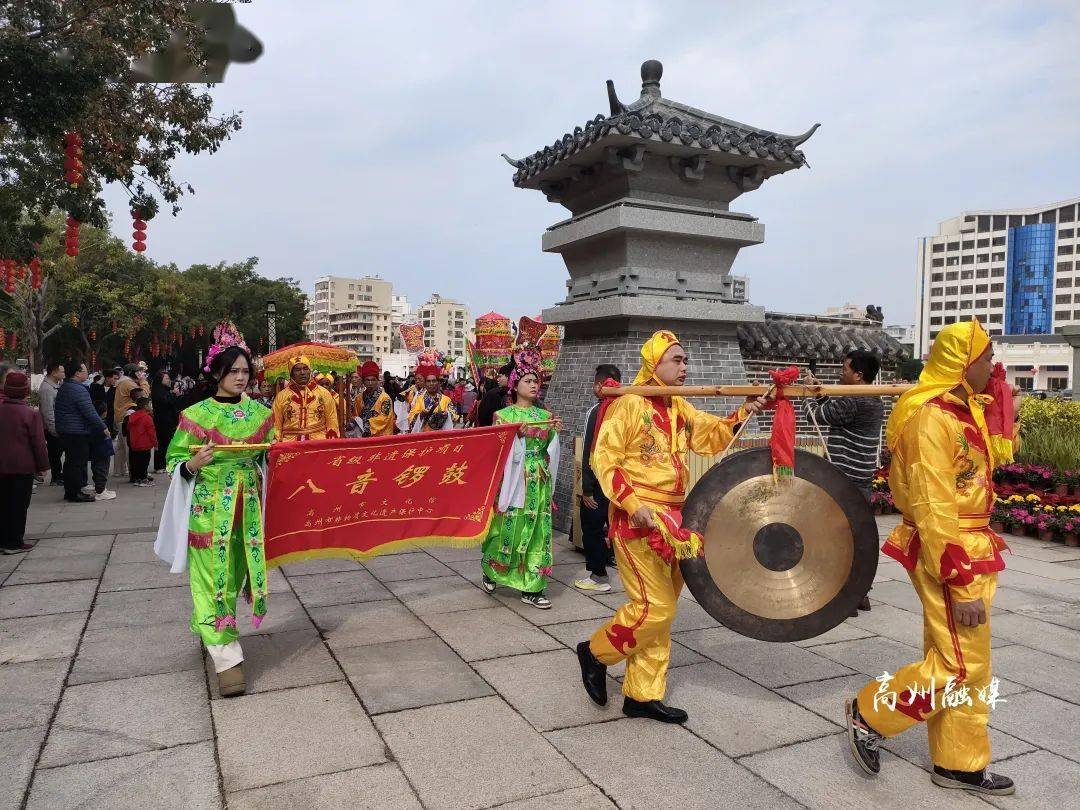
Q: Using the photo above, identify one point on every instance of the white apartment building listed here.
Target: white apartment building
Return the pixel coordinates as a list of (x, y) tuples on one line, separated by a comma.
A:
[(353, 312), (1015, 270), (447, 325)]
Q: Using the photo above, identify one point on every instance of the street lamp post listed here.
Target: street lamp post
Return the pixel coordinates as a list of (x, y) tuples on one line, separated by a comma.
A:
[(271, 326)]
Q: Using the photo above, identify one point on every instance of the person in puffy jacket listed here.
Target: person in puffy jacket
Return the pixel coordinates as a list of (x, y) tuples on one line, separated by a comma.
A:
[(22, 455), (76, 422), (142, 439)]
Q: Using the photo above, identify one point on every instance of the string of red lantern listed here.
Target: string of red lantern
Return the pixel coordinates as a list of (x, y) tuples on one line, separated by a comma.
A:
[(74, 165), (139, 235), (71, 237)]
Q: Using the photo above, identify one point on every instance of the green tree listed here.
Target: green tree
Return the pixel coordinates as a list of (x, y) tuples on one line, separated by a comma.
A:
[(64, 68)]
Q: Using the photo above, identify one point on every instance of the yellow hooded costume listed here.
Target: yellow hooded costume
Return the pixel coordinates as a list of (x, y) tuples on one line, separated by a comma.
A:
[(940, 478), (640, 459)]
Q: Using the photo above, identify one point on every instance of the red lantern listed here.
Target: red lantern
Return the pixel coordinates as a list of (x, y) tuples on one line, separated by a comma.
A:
[(71, 251), (165, 322), (139, 235), (3, 339), (74, 163), (138, 247)]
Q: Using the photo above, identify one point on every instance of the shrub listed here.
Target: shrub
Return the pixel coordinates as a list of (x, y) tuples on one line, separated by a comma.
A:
[(1050, 433)]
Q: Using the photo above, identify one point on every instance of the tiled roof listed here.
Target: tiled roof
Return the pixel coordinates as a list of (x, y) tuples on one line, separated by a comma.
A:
[(826, 340)]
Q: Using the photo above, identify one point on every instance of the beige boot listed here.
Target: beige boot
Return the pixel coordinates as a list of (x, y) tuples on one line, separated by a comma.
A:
[(231, 681)]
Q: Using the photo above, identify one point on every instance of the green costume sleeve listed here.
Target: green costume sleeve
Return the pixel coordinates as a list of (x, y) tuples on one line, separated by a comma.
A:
[(179, 449)]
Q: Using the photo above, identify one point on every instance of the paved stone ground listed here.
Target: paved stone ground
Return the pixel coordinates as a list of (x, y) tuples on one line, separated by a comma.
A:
[(400, 684)]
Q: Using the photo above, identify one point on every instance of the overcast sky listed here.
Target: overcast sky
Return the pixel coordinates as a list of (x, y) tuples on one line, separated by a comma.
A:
[(372, 134)]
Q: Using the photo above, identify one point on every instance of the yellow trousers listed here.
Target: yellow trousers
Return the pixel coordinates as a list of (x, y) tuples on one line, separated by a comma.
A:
[(640, 631), (956, 721)]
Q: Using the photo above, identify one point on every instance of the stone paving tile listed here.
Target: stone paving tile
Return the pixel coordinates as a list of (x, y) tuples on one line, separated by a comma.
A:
[(845, 631), (469, 569), (58, 569), (871, 656), (440, 595), (476, 753), (1042, 779), (825, 698), (341, 588), (449, 554), (583, 798), (113, 718), (184, 776), (128, 552), (1057, 590), (126, 609), (545, 688), (106, 655), (40, 637), (567, 605), (330, 566), (45, 599), (376, 787), (284, 614), (18, 750), (282, 661), (407, 674), (1039, 635), (368, 623), (763, 662), (417, 565), (1041, 720), (570, 633), (138, 576), (898, 594), (835, 778), (1048, 673), (568, 572), (61, 546), (892, 623), (29, 692), (653, 766), (1063, 614), (260, 741), (914, 746), (492, 632), (1046, 552), (737, 715), (1041, 568)]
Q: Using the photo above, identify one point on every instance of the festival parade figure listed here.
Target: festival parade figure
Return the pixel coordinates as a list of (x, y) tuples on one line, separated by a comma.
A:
[(431, 408), (212, 522), (941, 480), (373, 408), (517, 552), (640, 459), (303, 409)]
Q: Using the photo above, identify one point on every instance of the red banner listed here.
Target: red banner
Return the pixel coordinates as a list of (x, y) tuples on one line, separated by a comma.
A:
[(362, 497)]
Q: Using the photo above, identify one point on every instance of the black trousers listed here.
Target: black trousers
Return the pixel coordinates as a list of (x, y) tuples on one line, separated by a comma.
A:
[(165, 434), (138, 463), (15, 492), (76, 457), (594, 536), (56, 452)]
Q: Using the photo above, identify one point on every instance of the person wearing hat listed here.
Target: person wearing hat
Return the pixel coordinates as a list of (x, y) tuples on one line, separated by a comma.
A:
[(373, 409), (941, 477), (640, 461), (431, 409), (303, 409), (23, 455)]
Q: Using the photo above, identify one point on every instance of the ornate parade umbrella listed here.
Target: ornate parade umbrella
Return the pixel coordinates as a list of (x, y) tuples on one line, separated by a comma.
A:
[(494, 342), (323, 356)]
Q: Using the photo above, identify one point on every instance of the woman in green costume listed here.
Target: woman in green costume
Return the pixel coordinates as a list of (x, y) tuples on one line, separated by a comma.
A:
[(517, 552), (213, 519)]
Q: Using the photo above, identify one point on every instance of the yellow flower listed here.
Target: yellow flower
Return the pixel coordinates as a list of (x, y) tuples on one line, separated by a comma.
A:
[(1032, 498)]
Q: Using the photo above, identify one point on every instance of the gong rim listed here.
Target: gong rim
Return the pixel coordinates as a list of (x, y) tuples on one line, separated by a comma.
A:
[(778, 552)]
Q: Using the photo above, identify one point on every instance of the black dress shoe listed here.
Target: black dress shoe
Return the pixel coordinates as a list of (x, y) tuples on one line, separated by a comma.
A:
[(984, 782), (654, 710), (593, 674), (81, 498)]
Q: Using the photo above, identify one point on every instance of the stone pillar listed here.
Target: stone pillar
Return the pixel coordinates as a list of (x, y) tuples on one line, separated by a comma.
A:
[(1072, 337)]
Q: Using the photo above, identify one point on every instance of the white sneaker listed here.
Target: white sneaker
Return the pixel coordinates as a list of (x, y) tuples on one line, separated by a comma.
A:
[(88, 489), (105, 495), (591, 583)]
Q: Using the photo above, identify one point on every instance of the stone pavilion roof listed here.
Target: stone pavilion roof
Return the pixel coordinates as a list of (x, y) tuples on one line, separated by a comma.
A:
[(786, 337)]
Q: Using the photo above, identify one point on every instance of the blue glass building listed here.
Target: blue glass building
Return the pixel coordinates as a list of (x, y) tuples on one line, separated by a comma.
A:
[(1029, 305)]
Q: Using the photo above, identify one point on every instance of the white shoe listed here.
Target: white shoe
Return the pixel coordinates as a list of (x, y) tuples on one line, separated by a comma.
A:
[(88, 489), (105, 495), (590, 583)]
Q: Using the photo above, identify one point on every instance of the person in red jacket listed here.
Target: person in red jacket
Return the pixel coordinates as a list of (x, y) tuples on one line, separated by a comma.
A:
[(142, 438), (22, 455)]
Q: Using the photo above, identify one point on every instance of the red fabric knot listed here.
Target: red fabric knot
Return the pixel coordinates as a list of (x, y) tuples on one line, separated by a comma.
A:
[(782, 440), (1000, 414)]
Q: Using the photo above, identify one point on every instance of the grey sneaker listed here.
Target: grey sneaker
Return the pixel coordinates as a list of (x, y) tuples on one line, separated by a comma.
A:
[(984, 782), (864, 741), (537, 600)]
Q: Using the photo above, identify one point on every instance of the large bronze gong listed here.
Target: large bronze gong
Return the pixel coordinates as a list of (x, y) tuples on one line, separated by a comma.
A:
[(782, 562)]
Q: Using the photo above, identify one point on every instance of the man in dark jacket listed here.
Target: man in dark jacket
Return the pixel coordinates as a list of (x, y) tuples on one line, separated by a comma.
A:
[(76, 422), (22, 455), (494, 400), (594, 505)]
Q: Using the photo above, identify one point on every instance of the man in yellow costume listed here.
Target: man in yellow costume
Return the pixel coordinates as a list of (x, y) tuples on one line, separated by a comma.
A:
[(431, 409), (640, 461), (373, 410), (303, 409), (941, 479)]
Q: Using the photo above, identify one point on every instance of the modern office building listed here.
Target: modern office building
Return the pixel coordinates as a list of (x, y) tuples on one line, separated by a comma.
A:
[(447, 325), (353, 312), (1015, 270)]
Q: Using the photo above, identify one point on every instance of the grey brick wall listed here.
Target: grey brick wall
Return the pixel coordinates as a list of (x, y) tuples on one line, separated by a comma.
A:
[(714, 359)]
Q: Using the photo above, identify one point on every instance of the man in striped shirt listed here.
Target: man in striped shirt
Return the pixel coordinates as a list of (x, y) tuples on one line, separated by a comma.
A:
[(854, 423)]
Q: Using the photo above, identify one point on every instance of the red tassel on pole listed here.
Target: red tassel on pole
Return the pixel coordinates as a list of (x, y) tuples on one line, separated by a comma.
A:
[(782, 441)]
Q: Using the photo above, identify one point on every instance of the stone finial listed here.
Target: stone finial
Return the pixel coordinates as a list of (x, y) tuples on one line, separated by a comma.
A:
[(651, 71)]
